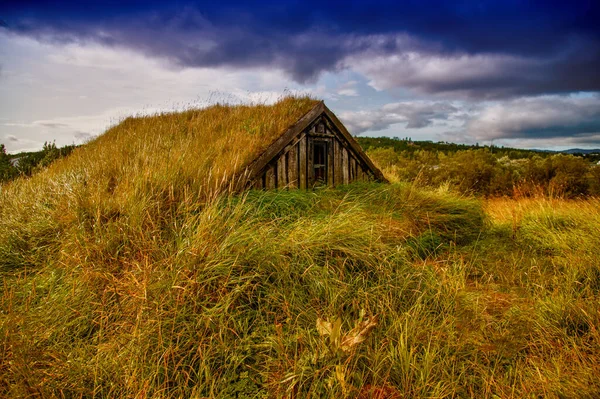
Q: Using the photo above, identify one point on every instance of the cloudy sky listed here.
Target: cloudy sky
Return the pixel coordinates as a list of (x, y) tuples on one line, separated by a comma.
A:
[(511, 72)]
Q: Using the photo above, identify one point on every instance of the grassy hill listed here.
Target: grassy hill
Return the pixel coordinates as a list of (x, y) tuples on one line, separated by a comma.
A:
[(129, 270)]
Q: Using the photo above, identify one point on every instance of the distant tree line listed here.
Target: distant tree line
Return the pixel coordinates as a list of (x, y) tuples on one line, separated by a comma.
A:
[(487, 171), (27, 163)]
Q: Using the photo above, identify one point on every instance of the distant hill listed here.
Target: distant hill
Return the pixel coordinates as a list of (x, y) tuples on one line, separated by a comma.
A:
[(581, 151), (408, 147)]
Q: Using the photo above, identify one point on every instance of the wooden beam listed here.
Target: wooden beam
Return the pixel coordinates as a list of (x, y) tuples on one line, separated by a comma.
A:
[(310, 163), (258, 184), (330, 177), (292, 166), (281, 172), (302, 162), (345, 174), (270, 182), (337, 162)]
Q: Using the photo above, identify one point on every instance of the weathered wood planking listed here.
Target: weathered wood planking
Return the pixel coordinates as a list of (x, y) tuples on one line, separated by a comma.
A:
[(337, 163), (292, 166), (302, 162), (310, 172), (330, 162), (281, 172), (291, 163), (345, 176), (271, 178)]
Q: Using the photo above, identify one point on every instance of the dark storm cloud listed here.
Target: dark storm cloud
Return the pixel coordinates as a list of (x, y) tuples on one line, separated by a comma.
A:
[(531, 47), (486, 76)]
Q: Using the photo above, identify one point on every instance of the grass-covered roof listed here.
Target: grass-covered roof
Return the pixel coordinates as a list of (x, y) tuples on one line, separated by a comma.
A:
[(198, 151), (206, 147)]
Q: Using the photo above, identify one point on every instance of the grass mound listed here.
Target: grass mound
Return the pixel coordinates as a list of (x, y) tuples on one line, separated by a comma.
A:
[(223, 300), (128, 270)]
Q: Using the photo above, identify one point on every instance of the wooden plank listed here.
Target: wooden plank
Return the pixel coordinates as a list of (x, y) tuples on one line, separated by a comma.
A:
[(292, 166), (344, 166), (258, 184), (270, 182), (337, 163), (281, 172), (310, 170), (352, 167), (302, 162), (330, 162)]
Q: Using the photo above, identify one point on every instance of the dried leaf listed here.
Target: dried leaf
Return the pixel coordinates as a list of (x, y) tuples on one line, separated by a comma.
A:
[(358, 334), (323, 327)]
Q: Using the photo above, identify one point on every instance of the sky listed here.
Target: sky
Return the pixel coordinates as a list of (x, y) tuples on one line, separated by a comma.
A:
[(515, 73)]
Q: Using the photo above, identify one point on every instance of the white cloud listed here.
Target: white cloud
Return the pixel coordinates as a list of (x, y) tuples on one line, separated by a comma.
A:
[(538, 117), (52, 91), (348, 89), (458, 75), (413, 114), (530, 122)]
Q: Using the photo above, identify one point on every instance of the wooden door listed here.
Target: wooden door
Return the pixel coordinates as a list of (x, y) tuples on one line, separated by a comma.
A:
[(318, 162)]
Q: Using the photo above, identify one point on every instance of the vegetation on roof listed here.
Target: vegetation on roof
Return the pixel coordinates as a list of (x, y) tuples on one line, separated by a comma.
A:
[(203, 147)]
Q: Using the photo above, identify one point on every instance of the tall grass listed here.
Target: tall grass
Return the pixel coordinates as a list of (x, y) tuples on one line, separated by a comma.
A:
[(125, 275), (223, 301)]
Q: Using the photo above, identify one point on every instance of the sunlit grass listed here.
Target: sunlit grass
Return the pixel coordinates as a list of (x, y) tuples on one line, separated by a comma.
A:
[(129, 271)]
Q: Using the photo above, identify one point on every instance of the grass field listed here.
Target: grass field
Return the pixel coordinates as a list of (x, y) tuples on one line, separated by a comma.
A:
[(139, 281)]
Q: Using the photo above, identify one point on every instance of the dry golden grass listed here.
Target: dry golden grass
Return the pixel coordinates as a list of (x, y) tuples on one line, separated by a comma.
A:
[(200, 150), (502, 210), (126, 274)]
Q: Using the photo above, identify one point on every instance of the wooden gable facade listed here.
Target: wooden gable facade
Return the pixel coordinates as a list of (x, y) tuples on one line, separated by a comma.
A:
[(316, 151)]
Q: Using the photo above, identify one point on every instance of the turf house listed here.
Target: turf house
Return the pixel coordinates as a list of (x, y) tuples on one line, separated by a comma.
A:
[(316, 150)]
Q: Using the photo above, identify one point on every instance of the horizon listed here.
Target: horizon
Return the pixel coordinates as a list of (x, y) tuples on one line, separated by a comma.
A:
[(476, 145), (509, 74)]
